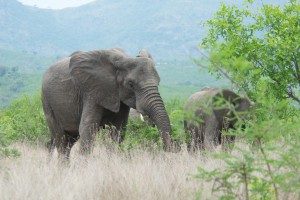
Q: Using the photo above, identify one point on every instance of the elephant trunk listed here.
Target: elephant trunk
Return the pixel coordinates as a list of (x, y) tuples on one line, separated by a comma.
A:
[(151, 103)]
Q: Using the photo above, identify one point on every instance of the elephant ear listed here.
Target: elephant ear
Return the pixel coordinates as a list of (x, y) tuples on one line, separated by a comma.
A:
[(95, 76), (119, 50), (144, 53), (229, 97)]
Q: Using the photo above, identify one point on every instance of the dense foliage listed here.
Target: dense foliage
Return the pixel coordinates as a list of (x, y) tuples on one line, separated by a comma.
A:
[(22, 120), (261, 44), (258, 50)]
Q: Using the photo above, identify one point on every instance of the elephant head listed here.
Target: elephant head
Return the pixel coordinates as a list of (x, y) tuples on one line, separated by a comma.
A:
[(230, 105), (110, 77)]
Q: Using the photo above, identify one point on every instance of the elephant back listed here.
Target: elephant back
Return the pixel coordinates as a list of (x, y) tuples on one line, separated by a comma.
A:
[(201, 98), (210, 100)]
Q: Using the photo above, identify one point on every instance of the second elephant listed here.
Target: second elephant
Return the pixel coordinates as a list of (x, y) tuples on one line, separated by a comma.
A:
[(211, 111)]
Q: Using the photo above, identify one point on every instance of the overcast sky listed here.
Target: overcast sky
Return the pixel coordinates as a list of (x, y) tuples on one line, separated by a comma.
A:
[(55, 4)]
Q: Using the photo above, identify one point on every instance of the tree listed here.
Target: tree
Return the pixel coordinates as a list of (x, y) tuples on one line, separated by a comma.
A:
[(257, 47)]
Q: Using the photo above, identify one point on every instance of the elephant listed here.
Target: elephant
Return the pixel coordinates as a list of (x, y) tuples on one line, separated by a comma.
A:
[(136, 117), (211, 111), (90, 90)]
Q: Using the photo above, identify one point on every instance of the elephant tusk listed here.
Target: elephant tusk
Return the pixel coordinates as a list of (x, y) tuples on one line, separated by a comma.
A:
[(142, 118)]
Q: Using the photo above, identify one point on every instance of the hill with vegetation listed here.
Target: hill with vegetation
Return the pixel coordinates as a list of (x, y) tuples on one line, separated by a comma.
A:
[(169, 29)]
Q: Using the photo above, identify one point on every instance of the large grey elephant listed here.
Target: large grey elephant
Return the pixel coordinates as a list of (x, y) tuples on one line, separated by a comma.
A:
[(88, 90), (211, 111)]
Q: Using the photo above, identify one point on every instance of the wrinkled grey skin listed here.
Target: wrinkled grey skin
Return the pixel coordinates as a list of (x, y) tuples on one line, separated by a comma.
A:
[(88, 90), (205, 119), (136, 117)]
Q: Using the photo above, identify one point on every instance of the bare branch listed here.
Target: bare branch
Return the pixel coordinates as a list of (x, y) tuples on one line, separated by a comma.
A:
[(289, 91), (292, 96), (225, 74)]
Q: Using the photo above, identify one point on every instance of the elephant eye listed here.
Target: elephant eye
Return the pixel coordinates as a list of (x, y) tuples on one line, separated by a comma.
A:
[(130, 85)]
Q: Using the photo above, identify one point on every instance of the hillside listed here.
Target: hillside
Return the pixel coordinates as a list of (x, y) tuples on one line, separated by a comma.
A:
[(168, 29)]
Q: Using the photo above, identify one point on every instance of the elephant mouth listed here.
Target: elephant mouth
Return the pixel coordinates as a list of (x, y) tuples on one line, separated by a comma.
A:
[(130, 103), (144, 114), (141, 111)]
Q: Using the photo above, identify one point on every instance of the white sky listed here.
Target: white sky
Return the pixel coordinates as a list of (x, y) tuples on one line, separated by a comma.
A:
[(54, 4)]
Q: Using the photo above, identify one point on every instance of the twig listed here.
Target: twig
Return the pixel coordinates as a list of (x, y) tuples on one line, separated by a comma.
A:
[(269, 168), (246, 181), (292, 96), (222, 72)]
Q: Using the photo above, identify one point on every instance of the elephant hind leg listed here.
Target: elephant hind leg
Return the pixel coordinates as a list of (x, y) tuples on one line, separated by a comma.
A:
[(66, 142), (195, 142), (53, 125), (189, 132), (196, 139)]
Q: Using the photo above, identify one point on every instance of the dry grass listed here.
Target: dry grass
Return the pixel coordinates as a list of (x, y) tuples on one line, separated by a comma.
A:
[(107, 174)]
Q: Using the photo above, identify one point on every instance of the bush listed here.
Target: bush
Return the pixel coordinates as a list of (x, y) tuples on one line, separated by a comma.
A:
[(23, 119), (254, 45), (266, 168)]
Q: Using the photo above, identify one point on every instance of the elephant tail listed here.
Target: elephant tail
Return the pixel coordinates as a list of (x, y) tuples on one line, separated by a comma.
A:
[(49, 115)]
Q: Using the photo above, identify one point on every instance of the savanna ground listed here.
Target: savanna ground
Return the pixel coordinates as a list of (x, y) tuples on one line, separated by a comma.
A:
[(108, 173)]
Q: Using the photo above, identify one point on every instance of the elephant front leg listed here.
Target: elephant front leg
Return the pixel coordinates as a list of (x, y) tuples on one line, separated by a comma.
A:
[(89, 126), (212, 128), (87, 136), (118, 124)]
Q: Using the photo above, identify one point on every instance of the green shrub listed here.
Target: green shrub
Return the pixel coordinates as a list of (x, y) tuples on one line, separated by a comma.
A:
[(267, 165), (258, 50), (23, 119)]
